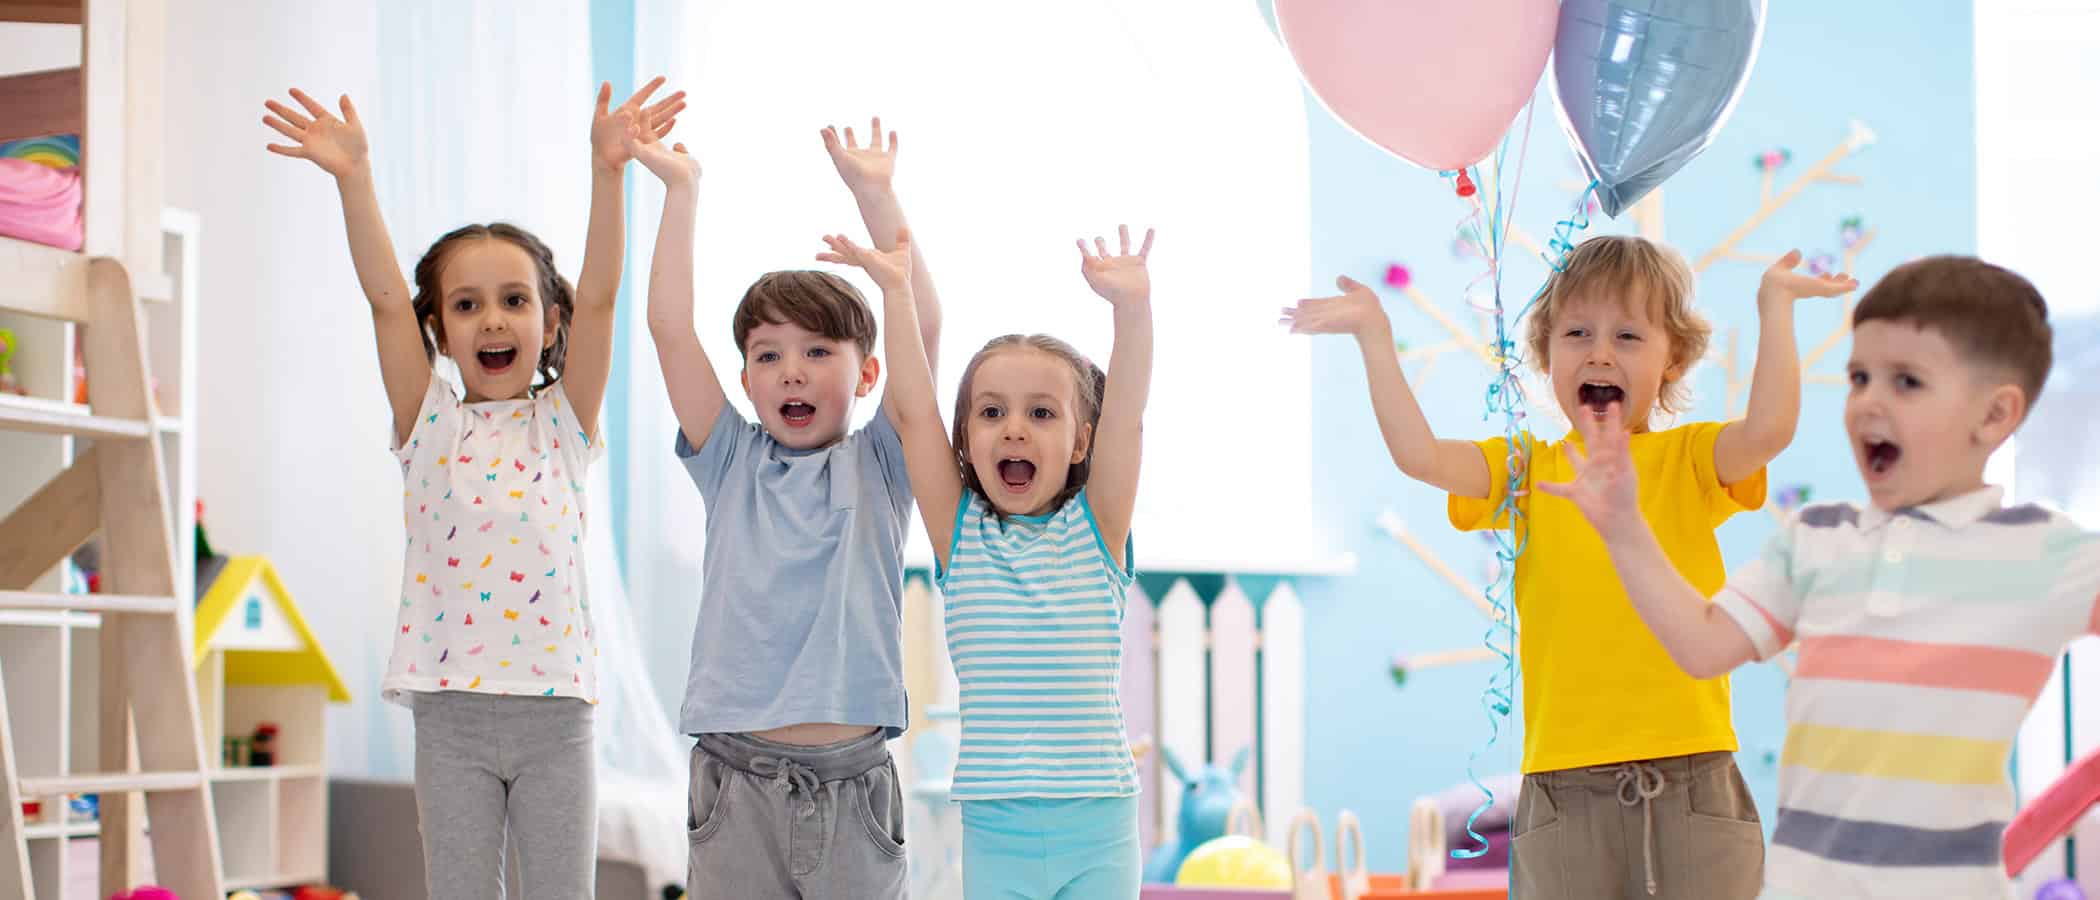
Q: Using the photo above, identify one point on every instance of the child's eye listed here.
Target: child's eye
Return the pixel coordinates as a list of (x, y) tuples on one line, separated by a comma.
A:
[(768, 356), (1628, 336), (463, 305), (515, 300), (1908, 382), (1042, 412), (1576, 332), (819, 352), (1857, 377), (990, 412)]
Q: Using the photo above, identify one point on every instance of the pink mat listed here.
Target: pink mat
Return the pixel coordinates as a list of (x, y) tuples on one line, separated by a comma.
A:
[(41, 204)]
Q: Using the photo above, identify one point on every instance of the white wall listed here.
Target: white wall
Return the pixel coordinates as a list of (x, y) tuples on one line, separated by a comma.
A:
[(292, 423)]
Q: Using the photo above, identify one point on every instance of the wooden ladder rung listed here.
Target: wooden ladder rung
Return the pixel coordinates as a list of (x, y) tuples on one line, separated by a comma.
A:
[(49, 417), (111, 783), (115, 603)]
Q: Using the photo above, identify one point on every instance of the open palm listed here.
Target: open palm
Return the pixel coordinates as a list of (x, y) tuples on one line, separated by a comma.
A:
[(1782, 282), (889, 269), (863, 167), (609, 126), (1119, 278), (337, 145), (1356, 311), (1605, 487)]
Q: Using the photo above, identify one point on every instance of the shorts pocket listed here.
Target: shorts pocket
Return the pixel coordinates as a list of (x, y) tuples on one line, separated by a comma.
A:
[(707, 799), (881, 802)]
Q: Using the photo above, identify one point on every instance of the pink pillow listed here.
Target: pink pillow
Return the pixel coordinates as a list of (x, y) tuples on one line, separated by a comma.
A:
[(40, 203)]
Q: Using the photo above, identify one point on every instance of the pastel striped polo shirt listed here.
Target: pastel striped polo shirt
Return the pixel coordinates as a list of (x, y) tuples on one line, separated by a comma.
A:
[(1035, 629), (1924, 637)]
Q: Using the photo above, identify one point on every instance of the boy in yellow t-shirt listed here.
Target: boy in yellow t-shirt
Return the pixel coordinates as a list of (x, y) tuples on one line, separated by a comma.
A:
[(1630, 785)]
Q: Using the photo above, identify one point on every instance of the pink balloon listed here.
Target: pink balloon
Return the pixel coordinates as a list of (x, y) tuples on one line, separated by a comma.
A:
[(1434, 82)]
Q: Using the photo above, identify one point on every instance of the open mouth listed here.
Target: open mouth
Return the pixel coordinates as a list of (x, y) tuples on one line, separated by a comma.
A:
[(497, 359), (1881, 456), (1600, 397), (797, 413), (1017, 474)]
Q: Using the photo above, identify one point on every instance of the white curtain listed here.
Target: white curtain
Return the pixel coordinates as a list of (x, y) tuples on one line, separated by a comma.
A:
[(1022, 126)]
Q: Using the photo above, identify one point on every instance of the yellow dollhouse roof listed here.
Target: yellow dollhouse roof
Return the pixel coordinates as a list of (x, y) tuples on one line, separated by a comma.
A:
[(251, 617)]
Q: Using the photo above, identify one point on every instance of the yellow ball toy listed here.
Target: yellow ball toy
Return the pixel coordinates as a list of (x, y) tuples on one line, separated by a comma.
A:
[(243, 895), (1235, 860)]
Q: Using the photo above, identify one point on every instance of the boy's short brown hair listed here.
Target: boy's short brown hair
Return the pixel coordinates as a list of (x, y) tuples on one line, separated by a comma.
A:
[(1992, 316), (1627, 268), (820, 302)]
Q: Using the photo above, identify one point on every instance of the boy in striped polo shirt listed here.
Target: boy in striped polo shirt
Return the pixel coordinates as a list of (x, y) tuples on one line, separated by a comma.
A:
[(1927, 620)]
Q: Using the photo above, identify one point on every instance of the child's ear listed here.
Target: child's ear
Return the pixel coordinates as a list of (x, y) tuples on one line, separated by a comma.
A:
[(1080, 447), (870, 370), (553, 329), (743, 377), (2004, 408)]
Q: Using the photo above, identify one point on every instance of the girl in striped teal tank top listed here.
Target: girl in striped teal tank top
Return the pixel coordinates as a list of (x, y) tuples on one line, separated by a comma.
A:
[(1028, 507)]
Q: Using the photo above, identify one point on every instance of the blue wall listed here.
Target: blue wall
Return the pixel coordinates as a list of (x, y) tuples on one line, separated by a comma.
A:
[(1903, 68)]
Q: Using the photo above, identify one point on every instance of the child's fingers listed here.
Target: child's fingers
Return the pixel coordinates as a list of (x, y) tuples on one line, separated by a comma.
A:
[(604, 98), (1790, 260), (284, 128), (642, 96), (851, 144), (1083, 255), (678, 147), (285, 112), (312, 106), (833, 258), (893, 143), (1101, 248), (350, 112), (1561, 489), (282, 150), (1123, 235), (1347, 284), (875, 133), (831, 139), (1145, 250), (664, 130)]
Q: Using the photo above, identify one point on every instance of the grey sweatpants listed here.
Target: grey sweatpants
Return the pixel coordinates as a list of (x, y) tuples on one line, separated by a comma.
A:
[(485, 762), (773, 821)]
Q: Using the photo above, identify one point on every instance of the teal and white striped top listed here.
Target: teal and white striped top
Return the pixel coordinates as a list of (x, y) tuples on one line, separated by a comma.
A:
[(1035, 618)]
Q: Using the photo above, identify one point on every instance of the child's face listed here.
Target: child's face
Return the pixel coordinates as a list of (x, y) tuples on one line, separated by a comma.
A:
[(803, 384), (1922, 419), (495, 321), (1603, 350), (1024, 431)]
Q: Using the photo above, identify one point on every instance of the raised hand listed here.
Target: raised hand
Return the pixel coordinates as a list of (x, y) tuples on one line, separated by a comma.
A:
[(1605, 487), (1781, 284), (610, 126), (890, 269), (1355, 312), (670, 163), (338, 146), (863, 168), (1120, 278)]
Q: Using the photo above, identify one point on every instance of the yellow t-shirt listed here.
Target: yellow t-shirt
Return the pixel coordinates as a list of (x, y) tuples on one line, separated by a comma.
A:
[(1598, 687)]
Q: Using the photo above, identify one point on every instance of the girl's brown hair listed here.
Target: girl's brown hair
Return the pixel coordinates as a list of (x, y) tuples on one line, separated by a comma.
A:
[(553, 288), (1089, 383), (1628, 268)]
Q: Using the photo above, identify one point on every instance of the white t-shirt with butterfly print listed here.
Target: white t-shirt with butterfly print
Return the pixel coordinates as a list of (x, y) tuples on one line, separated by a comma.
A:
[(493, 594)]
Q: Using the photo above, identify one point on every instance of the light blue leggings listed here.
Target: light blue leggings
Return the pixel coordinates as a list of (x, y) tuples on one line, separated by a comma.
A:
[(1038, 849)]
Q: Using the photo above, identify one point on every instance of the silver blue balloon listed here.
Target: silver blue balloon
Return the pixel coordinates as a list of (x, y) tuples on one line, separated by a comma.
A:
[(1644, 85)]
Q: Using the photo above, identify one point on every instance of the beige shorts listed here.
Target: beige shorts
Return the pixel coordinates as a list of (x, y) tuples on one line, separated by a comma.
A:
[(1678, 828)]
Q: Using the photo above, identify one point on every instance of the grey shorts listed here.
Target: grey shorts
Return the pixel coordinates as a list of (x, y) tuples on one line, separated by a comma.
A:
[(771, 821)]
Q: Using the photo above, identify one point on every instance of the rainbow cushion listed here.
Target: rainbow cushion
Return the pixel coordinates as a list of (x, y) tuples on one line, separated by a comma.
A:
[(58, 151)]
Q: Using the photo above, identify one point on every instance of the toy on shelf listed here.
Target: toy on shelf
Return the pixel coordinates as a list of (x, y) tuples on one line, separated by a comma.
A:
[(146, 892), (8, 383), (263, 750), (1207, 803)]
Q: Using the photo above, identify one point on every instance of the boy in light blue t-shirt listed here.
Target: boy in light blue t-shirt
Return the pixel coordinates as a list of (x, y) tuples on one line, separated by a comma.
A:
[(797, 676)]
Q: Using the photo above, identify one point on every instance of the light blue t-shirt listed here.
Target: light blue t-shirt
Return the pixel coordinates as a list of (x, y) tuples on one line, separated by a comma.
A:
[(802, 586)]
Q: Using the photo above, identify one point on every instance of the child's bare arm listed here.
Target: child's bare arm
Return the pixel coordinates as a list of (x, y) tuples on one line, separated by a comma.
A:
[(697, 398), (1774, 407), (1123, 281), (338, 146), (869, 172), (909, 401), (1455, 467), (1699, 636), (589, 361)]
